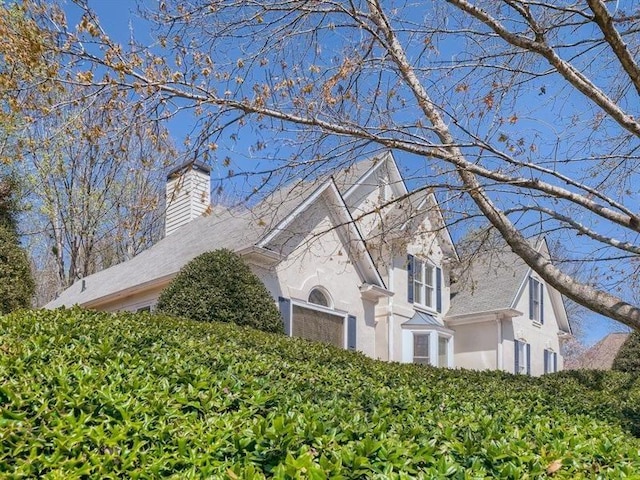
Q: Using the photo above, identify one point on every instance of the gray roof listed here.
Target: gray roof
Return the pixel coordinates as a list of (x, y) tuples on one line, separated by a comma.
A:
[(491, 282), (234, 229), (223, 228), (424, 319)]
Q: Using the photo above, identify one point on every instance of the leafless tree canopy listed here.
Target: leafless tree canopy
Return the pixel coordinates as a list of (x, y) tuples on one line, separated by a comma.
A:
[(524, 111)]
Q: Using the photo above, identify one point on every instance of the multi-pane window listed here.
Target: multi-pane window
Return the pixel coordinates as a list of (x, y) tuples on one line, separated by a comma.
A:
[(536, 306), (431, 349), (550, 361), (522, 357), (318, 297), (421, 348), (423, 283)]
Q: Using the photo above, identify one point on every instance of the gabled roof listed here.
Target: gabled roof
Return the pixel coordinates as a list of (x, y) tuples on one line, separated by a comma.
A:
[(495, 280), (601, 355), (223, 228), (490, 283), (235, 229)]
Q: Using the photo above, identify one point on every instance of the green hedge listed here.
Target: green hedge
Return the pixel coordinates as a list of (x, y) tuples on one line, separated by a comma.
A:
[(97, 395), (218, 286)]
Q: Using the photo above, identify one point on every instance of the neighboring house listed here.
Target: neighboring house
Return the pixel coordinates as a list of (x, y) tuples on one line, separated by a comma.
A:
[(601, 355), (355, 260)]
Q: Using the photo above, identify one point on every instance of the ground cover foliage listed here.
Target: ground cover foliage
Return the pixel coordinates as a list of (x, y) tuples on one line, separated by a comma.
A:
[(98, 395)]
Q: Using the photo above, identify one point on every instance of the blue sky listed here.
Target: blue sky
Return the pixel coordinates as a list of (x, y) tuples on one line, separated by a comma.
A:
[(118, 19)]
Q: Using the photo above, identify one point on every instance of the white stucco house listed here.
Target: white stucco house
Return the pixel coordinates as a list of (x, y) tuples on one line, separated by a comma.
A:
[(355, 260)]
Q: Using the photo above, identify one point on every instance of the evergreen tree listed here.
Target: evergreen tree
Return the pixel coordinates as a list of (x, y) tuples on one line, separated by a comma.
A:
[(628, 358), (218, 286), (16, 281)]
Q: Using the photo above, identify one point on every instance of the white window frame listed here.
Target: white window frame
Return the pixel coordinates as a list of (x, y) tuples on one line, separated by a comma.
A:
[(520, 352), (417, 335), (323, 291), (550, 361), (536, 297), (434, 353), (424, 286)]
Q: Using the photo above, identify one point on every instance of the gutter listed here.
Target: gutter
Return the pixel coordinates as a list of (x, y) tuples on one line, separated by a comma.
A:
[(485, 316)]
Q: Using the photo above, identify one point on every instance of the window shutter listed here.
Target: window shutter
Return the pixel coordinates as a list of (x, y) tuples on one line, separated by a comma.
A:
[(531, 298), (439, 289), (541, 303), (546, 361), (410, 267), (555, 361), (516, 346), (285, 313), (528, 349), (351, 332)]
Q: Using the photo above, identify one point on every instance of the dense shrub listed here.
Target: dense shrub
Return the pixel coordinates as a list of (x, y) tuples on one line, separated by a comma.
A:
[(16, 281), (98, 395), (219, 286), (628, 357)]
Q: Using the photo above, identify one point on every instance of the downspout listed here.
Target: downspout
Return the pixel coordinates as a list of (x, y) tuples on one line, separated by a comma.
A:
[(499, 356), (390, 314)]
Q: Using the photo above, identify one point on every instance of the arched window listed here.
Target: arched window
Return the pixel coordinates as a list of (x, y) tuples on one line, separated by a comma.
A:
[(318, 297)]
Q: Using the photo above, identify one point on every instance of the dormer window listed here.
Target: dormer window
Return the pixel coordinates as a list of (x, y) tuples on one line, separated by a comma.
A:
[(536, 300), (318, 297), (425, 284)]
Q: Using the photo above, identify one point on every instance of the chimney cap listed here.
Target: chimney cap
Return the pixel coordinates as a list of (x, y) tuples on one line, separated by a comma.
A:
[(189, 165)]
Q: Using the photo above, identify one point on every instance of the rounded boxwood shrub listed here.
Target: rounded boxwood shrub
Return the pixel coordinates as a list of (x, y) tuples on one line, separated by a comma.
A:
[(628, 357), (219, 287)]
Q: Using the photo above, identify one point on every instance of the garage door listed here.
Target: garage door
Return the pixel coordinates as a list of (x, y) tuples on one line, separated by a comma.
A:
[(318, 326)]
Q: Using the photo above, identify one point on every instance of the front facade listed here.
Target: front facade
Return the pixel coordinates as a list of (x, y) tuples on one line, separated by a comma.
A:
[(356, 261)]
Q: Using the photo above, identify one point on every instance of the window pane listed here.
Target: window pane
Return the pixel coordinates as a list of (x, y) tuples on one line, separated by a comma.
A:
[(535, 299), (418, 273), (421, 349), (428, 278), (318, 297), (443, 352), (428, 297), (418, 293)]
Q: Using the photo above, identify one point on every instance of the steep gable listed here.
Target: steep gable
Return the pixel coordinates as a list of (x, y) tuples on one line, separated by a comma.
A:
[(496, 280)]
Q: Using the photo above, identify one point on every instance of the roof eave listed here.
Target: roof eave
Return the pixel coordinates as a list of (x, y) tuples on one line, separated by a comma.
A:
[(482, 316)]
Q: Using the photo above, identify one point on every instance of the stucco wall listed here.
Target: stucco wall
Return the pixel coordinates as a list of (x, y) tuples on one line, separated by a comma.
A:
[(539, 336), (476, 345), (317, 256)]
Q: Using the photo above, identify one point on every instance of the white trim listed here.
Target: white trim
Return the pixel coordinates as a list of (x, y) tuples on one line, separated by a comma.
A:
[(141, 287), (384, 158), (324, 292), (346, 222), (481, 317), (260, 255), (361, 244), (374, 292), (425, 287), (434, 333), (296, 211)]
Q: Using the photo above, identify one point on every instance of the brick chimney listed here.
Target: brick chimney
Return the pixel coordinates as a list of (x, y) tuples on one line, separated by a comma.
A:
[(188, 194)]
